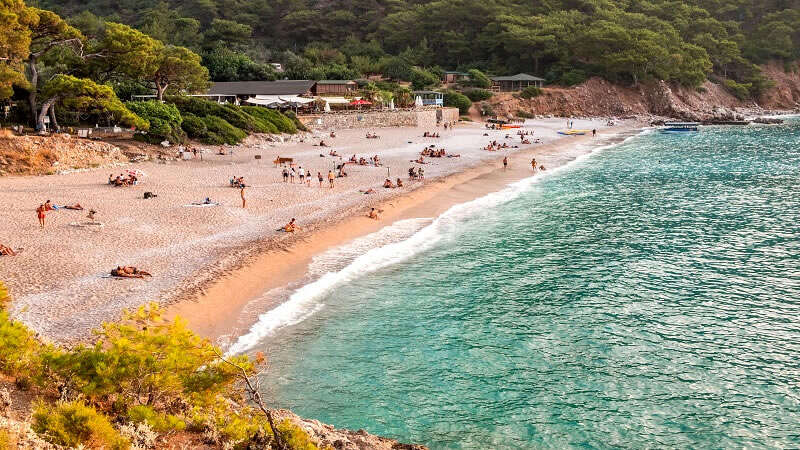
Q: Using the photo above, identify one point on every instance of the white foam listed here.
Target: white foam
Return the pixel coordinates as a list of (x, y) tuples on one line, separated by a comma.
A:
[(378, 254)]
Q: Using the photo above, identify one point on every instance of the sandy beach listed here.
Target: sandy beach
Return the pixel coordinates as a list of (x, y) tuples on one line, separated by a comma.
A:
[(209, 263)]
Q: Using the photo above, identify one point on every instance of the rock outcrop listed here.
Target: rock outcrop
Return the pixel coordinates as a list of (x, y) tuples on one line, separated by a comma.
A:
[(326, 435)]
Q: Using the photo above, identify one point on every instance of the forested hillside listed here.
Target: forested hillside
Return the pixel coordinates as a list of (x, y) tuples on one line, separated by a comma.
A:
[(562, 40)]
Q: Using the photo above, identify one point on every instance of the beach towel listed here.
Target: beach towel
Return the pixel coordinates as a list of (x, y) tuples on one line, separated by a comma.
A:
[(88, 224)]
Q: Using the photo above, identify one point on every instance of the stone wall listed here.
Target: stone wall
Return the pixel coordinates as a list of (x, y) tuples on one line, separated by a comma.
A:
[(425, 118)]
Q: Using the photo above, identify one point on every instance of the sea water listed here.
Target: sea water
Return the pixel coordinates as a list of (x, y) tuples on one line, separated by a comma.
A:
[(645, 296)]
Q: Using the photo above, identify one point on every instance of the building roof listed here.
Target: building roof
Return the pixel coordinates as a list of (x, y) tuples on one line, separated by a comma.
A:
[(336, 82), (518, 77), (426, 92), (455, 72), (280, 87)]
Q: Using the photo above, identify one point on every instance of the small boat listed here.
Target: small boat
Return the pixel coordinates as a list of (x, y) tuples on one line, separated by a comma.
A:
[(680, 127), (573, 132)]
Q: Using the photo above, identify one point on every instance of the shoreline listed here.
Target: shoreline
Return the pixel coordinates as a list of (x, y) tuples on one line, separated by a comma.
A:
[(212, 311)]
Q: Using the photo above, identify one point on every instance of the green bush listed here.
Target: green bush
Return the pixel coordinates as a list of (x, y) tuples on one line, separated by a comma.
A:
[(194, 126), (460, 101), (6, 442), (477, 95), (530, 92), (233, 114), (573, 77), (295, 437), (164, 119), (423, 79), (19, 356), (280, 122), (159, 422), (220, 131), (524, 114), (297, 123), (478, 79), (739, 90), (73, 424)]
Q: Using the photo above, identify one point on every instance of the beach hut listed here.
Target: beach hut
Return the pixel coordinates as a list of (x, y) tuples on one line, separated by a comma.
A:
[(430, 98), (515, 83)]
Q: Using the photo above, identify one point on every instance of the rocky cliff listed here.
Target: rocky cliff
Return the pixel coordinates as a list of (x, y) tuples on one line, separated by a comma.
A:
[(598, 97)]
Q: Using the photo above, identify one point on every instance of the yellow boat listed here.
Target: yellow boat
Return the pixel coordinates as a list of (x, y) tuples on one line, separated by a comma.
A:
[(574, 132)]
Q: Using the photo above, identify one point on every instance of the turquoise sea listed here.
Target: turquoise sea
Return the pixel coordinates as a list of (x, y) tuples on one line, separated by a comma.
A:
[(645, 296)]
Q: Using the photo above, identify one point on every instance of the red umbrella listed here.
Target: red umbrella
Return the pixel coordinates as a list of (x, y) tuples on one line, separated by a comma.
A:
[(360, 102)]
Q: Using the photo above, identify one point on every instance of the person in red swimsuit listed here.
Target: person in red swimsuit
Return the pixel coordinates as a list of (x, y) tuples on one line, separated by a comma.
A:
[(40, 213)]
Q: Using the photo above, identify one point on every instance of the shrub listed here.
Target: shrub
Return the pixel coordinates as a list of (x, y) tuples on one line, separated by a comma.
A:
[(295, 437), (194, 126), (477, 95), (73, 424), (479, 79), (164, 119), (6, 441), (739, 90), (487, 109), (530, 92), (233, 114), (160, 422), (573, 77), (20, 349), (524, 114), (280, 122), (423, 79), (297, 123), (460, 101), (221, 132)]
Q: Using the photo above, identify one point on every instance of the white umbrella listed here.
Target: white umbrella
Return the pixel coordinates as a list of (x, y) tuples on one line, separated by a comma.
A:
[(391, 104), (418, 101), (327, 107)]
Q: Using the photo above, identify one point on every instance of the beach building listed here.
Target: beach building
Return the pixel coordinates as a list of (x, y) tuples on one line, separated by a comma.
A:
[(244, 90), (454, 77), (515, 83), (429, 97), (335, 87)]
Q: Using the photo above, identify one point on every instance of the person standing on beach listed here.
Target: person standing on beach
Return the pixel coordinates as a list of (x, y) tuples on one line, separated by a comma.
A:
[(533, 164), (331, 176), (241, 192), (40, 214), (319, 177), (285, 175), (302, 173), (291, 175), (594, 132), (505, 162)]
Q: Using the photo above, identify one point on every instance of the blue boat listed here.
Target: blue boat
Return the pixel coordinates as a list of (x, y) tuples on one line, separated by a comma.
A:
[(680, 127)]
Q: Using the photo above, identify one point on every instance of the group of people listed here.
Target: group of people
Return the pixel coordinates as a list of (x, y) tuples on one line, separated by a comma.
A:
[(388, 184), (372, 135), (375, 161), (415, 173), (495, 146), (131, 179), (436, 153), (431, 135), (237, 182)]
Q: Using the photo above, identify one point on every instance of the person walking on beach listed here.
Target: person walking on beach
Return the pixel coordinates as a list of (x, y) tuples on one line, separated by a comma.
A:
[(331, 176), (291, 175), (319, 177), (594, 132), (40, 214), (302, 173), (241, 192), (533, 164), (285, 175), (505, 162)]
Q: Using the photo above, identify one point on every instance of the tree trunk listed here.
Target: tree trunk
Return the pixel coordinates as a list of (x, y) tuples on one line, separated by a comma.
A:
[(53, 120), (160, 91), (32, 93), (43, 113)]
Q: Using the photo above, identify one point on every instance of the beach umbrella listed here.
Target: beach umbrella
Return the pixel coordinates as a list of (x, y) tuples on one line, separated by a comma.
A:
[(327, 107), (418, 101)]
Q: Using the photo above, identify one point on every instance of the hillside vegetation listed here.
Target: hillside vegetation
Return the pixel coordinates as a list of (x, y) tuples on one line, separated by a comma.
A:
[(564, 41)]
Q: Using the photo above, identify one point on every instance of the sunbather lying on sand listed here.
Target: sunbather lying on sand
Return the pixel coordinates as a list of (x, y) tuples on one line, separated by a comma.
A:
[(76, 207), (368, 191), (7, 251), (129, 272)]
